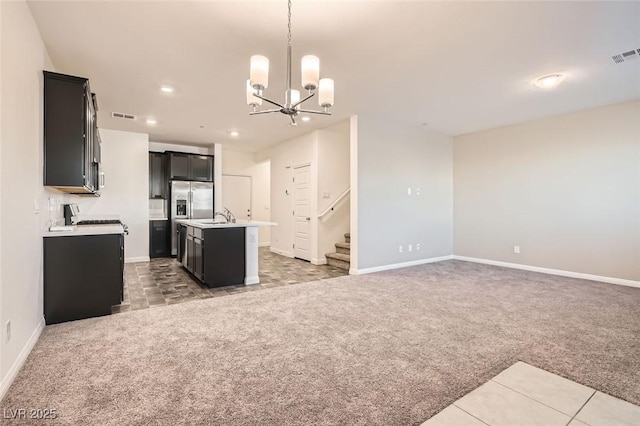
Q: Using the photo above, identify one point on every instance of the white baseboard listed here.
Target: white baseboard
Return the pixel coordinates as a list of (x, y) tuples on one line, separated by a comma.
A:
[(322, 261), (281, 252), (19, 362), (267, 244), (398, 265), (609, 280), (136, 259)]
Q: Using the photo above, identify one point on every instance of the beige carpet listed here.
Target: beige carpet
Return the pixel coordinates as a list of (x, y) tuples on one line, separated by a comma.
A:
[(391, 348)]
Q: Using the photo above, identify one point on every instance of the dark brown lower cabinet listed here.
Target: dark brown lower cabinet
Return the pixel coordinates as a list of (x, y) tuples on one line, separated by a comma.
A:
[(83, 276), (159, 241), (216, 256)]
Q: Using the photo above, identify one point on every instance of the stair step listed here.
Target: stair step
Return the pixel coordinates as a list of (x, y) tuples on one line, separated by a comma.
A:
[(343, 248), (347, 237), (339, 260), (339, 256)]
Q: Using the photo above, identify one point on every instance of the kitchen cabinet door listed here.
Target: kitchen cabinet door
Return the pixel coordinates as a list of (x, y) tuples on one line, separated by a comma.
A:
[(157, 175), (190, 254), (82, 276), (198, 266), (158, 238), (201, 168), (179, 165), (65, 131)]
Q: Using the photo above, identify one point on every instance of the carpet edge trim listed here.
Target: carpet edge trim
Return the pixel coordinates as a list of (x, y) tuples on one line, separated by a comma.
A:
[(11, 375), (559, 272)]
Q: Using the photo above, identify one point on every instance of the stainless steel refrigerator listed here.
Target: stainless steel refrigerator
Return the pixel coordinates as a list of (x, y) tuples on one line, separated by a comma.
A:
[(189, 200)]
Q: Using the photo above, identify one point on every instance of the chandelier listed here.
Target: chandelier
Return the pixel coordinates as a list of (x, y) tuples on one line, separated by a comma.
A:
[(259, 81)]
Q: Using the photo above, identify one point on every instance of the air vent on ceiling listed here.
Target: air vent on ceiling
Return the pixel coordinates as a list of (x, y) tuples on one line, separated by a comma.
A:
[(626, 56), (123, 116)]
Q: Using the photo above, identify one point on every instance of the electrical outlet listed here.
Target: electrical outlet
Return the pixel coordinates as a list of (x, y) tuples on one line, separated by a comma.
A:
[(400, 249), (7, 331), (36, 208), (408, 191), (417, 191), (516, 249), (410, 247), (418, 246)]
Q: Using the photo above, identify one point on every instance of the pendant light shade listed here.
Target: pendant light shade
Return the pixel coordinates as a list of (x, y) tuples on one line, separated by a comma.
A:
[(251, 99), (310, 71), (295, 98), (325, 93), (259, 72)]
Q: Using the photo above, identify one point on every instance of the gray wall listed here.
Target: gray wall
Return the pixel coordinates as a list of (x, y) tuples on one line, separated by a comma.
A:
[(565, 189), (392, 157)]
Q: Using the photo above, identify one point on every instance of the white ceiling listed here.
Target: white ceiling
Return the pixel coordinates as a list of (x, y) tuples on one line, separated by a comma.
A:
[(459, 66)]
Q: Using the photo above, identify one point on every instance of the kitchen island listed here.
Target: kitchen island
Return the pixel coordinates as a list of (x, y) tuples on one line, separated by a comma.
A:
[(220, 253)]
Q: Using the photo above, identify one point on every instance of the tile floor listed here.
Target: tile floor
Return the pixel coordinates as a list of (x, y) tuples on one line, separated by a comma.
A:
[(164, 282), (524, 395)]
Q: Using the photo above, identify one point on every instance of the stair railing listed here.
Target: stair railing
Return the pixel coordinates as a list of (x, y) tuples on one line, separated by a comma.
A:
[(333, 205)]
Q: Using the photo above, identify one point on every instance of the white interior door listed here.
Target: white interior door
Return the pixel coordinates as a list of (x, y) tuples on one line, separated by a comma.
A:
[(302, 212), (236, 195)]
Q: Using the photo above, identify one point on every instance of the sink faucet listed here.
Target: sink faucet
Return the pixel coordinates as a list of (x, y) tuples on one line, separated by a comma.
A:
[(229, 217), (220, 214)]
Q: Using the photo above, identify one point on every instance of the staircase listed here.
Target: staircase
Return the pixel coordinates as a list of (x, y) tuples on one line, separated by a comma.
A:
[(342, 257)]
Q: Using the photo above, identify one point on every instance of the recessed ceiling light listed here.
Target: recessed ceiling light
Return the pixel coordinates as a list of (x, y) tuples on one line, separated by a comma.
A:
[(306, 118), (167, 89), (151, 121), (234, 134), (549, 81)]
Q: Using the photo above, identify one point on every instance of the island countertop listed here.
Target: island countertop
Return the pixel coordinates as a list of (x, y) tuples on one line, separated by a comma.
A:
[(210, 223)]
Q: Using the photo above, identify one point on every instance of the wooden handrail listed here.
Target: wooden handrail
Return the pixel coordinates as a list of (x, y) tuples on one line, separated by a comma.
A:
[(332, 206)]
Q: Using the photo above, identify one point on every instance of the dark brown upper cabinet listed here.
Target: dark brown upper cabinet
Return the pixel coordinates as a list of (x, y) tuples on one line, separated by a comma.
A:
[(71, 139), (183, 166)]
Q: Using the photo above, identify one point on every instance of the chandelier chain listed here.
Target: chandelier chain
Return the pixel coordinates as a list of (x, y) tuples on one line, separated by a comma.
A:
[(289, 33)]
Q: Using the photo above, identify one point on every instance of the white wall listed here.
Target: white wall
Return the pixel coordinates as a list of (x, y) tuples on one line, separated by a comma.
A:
[(285, 156), (393, 157), (21, 157), (333, 180), (125, 162), (327, 153), (243, 164), (565, 189)]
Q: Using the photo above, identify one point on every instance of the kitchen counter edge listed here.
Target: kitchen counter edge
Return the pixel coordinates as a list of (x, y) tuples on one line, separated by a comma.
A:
[(87, 230), (201, 225)]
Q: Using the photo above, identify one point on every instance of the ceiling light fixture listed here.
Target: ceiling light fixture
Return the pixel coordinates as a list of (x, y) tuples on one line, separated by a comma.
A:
[(306, 118), (234, 134), (549, 81), (259, 81), (167, 89), (151, 121)]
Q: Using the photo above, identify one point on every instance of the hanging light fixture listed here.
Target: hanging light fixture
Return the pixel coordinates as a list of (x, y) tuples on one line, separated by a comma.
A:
[(310, 67)]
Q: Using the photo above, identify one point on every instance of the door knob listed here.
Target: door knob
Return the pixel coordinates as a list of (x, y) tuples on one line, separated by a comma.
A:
[(308, 218)]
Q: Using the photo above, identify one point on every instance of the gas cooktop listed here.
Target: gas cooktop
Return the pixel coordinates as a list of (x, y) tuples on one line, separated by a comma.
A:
[(100, 222)]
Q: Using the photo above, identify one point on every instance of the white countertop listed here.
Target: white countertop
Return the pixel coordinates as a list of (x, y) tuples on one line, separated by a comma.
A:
[(210, 223), (158, 218), (73, 231)]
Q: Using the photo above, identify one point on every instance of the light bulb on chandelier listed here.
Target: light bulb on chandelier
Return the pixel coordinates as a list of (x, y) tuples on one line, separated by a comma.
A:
[(310, 79)]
